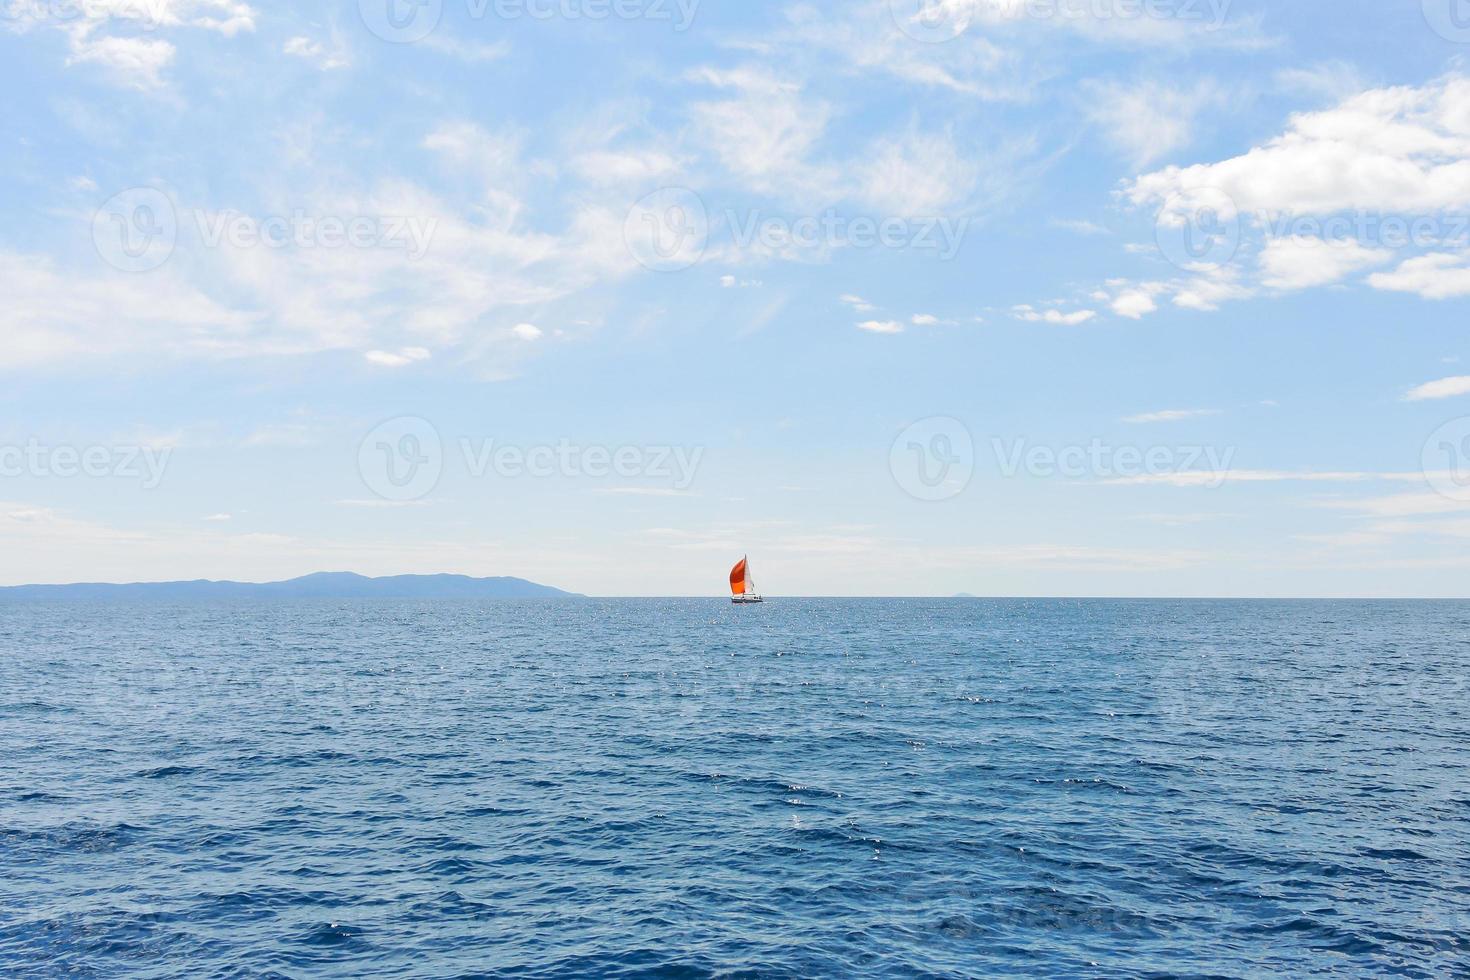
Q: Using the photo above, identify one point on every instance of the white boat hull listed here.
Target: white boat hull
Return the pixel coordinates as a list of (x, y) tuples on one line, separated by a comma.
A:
[(747, 600)]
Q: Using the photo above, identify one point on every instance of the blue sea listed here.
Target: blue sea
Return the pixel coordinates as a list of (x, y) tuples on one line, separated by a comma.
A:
[(684, 788)]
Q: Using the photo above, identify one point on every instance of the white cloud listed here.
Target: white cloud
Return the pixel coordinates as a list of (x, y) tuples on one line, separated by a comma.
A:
[(1331, 81), (1300, 262), (864, 37), (1147, 120), (1438, 276), (131, 61), (469, 51), (924, 320), (1401, 504), (921, 174), (291, 435), (51, 316), (1079, 225), (626, 166), (1397, 150), (1215, 478), (765, 132), (106, 33), (494, 156), (326, 58), (219, 518), (858, 303), (1055, 317), (1171, 415), (526, 331), (1443, 388), (1134, 303), (644, 492), (1207, 291), (881, 326), (401, 358)]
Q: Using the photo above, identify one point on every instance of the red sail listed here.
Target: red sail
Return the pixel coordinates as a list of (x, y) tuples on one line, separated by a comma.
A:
[(737, 578)]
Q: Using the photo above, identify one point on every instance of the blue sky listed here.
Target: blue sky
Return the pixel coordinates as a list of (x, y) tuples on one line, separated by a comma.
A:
[(916, 297)]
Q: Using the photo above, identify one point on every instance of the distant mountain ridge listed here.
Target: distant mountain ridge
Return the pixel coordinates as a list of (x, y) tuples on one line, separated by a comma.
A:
[(322, 585)]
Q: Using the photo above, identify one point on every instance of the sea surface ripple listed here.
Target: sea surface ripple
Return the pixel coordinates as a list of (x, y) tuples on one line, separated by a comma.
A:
[(843, 788)]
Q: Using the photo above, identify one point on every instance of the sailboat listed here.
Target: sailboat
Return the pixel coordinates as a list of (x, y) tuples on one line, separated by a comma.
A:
[(742, 584)]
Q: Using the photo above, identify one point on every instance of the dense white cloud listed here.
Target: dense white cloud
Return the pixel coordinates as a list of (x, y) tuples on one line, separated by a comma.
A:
[(1393, 150), (1342, 191), (1135, 302), (1440, 275)]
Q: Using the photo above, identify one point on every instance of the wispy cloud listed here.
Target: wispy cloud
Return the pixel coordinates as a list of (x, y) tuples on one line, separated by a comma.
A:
[(1171, 415), (1443, 388)]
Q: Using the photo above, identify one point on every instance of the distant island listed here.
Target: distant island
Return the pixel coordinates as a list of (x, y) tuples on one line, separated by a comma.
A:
[(323, 585)]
